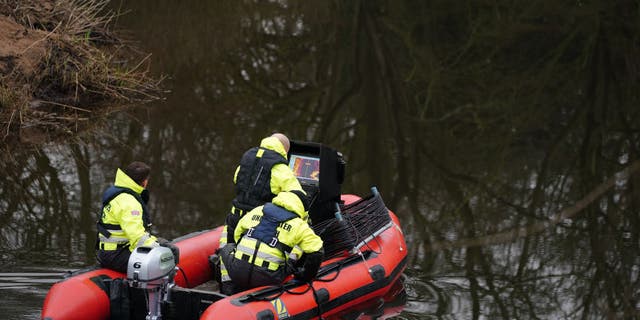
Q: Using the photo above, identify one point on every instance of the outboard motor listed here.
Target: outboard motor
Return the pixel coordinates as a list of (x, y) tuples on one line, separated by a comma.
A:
[(152, 269)]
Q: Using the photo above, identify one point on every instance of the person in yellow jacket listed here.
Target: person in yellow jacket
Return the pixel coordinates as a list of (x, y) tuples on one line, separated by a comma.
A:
[(263, 173), (271, 241), (124, 219)]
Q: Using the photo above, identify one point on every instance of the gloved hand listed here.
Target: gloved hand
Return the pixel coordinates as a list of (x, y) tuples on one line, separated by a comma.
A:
[(298, 274), (174, 249), (311, 265)]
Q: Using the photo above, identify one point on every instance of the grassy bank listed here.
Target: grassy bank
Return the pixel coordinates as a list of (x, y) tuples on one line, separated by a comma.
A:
[(62, 67)]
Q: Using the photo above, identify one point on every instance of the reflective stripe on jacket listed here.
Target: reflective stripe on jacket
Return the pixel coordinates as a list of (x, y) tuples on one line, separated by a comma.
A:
[(123, 216), (293, 233)]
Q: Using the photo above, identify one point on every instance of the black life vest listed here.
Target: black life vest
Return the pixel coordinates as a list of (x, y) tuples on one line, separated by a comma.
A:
[(253, 182), (113, 192), (265, 231)]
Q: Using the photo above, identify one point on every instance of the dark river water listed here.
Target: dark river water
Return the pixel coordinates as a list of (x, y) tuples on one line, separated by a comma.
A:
[(506, 137)]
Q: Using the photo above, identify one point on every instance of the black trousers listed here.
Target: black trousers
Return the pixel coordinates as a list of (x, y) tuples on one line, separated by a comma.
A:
[(117, 260), (246, 275)]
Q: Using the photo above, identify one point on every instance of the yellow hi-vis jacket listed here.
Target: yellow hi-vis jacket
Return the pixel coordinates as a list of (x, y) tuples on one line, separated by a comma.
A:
[(125, 210), (295, 233), (282, 178)]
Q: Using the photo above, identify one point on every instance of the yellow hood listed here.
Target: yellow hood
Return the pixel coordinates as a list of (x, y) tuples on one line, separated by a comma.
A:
[(291, 202), (123, 180), (273, 144)]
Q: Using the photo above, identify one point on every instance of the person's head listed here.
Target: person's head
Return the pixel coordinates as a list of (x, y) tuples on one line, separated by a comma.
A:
[(138, 172), (283, 139)]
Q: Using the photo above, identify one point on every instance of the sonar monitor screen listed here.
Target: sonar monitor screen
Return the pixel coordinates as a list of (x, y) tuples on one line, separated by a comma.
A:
[(307, 169)]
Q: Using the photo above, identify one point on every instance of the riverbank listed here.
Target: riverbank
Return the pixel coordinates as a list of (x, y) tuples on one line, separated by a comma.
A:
[(62, 67)]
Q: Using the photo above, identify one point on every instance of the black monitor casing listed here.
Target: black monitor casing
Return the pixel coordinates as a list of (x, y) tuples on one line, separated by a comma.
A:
[(326, 194)]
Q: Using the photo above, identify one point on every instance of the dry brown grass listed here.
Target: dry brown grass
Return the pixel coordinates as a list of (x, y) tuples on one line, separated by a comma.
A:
[(71, 71)]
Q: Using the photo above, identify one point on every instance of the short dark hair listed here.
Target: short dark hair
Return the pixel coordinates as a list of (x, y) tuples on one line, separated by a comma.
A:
[(138, 171)]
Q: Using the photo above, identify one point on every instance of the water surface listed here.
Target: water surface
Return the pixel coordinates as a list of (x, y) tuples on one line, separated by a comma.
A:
[(499, 134)]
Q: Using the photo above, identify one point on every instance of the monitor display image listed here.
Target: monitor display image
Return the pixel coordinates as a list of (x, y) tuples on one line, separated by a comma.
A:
[(305, 168)]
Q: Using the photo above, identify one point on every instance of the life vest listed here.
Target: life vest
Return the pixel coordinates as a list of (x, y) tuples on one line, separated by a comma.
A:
[(110, 194), (272, 254), (253, 182), (265, 231)]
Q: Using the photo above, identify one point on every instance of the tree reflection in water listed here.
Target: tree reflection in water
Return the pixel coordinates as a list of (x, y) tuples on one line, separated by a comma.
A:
[(480, 123)]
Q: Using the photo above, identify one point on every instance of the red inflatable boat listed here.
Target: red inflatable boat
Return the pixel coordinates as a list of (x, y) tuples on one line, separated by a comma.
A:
[(350, 278), (365, 254)]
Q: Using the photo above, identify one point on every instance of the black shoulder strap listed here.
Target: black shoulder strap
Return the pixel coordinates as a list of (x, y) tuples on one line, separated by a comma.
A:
[(110, 194)]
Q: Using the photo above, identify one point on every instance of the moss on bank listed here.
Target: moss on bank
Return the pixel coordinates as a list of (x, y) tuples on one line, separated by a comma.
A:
[(62, 66)]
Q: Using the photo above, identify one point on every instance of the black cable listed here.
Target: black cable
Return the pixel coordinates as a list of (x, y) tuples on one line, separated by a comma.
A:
[(276, 296), (282, 288), (299, 293), (361, 219), (335, 277)]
